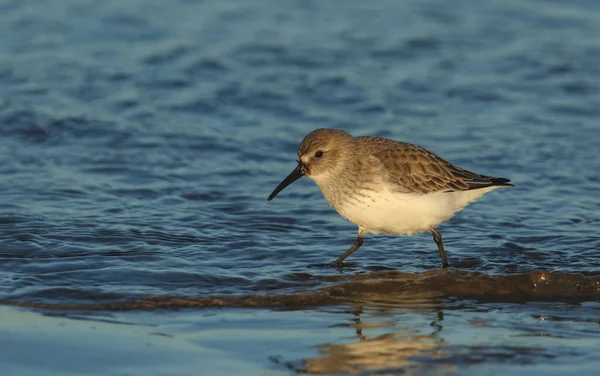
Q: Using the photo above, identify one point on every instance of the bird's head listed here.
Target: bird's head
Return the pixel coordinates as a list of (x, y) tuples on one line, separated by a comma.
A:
[(322, 153)]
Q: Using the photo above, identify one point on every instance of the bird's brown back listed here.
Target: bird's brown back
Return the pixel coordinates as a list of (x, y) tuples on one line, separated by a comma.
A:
[(414, 169)]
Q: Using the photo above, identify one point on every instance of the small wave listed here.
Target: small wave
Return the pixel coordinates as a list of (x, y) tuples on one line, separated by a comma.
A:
[(386, 288)]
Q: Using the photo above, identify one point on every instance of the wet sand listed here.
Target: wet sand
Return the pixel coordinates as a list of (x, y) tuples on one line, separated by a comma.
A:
[(77, 343)]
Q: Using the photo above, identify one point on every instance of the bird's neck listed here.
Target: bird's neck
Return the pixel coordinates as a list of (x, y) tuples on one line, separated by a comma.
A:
[(339, 183)]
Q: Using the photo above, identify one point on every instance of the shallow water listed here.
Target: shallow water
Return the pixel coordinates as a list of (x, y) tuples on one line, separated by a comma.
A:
[(140, 140)]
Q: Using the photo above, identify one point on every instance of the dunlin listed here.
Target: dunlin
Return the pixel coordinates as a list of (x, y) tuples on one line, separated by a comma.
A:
[(386, 186)]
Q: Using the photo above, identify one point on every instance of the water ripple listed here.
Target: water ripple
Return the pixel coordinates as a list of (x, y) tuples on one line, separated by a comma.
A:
[(139, 148)]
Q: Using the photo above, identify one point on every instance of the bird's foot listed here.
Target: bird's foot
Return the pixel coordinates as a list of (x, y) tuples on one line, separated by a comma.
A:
[(445, 265)]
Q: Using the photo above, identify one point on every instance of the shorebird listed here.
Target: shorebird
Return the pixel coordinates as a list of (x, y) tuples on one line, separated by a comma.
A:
[(386, 186)]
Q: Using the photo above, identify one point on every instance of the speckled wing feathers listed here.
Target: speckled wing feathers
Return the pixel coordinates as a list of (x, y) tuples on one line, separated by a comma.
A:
[(415, 170)]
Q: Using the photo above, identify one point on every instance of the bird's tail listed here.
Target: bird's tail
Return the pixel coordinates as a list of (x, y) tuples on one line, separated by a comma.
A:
[(501, 182)]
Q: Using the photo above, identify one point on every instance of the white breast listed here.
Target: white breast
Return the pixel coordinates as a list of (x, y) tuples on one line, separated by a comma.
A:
[(401, 213)]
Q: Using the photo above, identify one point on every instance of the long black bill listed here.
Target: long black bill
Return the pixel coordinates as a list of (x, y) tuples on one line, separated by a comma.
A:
[(298, 172)]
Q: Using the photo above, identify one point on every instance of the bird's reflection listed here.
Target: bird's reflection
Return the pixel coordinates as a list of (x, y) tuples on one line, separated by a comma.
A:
[(399, 351)]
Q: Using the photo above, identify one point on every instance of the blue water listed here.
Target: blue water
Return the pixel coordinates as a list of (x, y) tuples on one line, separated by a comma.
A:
[(139, 141)]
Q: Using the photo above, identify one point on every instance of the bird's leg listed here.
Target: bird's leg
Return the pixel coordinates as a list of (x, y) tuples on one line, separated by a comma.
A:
[(438, 240), (354, 247)]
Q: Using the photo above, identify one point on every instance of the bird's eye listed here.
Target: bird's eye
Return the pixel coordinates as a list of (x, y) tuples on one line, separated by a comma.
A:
[(319, 154)]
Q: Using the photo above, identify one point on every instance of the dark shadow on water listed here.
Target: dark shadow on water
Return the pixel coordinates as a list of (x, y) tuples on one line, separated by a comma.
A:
[(382, 288)]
